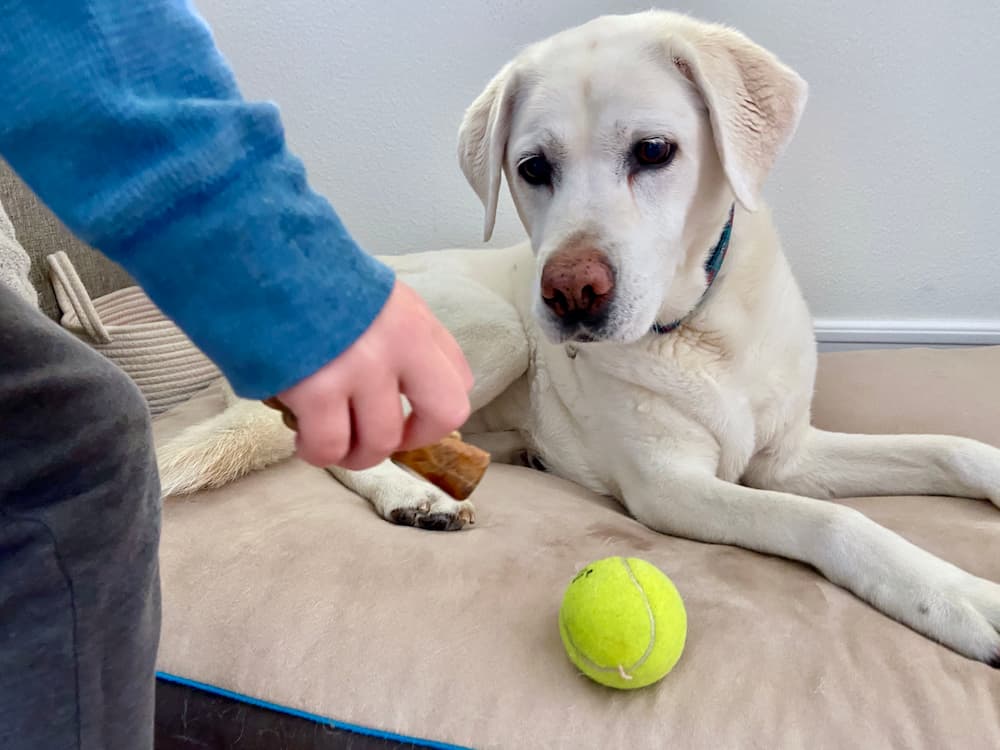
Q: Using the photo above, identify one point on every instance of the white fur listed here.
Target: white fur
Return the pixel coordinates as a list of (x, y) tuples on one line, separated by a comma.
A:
[(703, 432)]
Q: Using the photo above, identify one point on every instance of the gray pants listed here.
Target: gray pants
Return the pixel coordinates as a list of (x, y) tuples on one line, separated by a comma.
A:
[(79, 529)]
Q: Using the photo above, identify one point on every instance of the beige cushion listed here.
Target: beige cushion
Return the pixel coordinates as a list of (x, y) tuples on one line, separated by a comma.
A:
[(286, 587)]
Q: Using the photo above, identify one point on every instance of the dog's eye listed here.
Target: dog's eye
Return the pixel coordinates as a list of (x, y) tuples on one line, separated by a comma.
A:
[(535, 170), (654, 152)]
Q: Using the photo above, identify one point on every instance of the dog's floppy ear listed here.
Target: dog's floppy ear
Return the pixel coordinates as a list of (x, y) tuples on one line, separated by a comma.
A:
[(754, 101), (482, 141)]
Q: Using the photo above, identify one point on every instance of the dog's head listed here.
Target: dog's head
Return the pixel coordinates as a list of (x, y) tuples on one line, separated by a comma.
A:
[(624, 142)]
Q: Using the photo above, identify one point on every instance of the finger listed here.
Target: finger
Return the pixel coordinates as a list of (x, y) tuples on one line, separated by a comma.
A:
[(378, 425), (449, 346), (324, 436), (438, 398), (441, 336)]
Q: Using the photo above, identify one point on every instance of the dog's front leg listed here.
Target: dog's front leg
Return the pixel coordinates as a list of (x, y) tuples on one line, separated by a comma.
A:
[(909, 584), (406, 499), (834, 464)]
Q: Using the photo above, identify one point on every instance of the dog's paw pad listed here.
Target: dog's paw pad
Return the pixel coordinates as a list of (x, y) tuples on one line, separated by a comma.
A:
[(440, 522), (404, 516), (443, 515)]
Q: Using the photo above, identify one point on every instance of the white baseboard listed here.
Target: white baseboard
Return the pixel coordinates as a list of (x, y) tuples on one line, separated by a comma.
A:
[(835, 334)]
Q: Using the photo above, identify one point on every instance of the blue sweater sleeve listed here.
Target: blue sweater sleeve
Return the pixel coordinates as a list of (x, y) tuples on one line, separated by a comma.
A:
[(124, 118)]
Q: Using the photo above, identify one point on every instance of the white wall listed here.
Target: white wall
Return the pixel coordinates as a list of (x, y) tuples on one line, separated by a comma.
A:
[(885, 200)]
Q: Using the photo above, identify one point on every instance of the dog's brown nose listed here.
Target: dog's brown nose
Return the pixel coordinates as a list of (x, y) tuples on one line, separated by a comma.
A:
[(578, 285)]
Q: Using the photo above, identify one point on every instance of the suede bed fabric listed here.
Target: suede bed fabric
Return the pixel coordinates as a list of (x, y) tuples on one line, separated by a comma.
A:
[(288, 588)]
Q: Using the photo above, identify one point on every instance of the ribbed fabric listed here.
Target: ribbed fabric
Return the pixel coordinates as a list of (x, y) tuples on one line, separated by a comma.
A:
[(127, 328)]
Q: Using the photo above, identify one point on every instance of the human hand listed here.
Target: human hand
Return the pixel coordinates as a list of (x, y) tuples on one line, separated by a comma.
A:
[(350, 413)]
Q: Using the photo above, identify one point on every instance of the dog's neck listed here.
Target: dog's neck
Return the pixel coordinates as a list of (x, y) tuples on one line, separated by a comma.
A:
[(712, 266)]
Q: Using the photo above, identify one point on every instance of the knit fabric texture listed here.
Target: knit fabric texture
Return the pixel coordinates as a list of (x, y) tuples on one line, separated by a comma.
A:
[(124, 118)]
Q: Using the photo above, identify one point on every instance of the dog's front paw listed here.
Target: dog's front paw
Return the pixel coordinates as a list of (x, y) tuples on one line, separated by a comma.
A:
[(966, 617), (405, 499), (986, 598), (430, 509)]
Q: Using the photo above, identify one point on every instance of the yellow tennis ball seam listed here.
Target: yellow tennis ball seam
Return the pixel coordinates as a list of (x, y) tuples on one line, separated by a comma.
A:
[(620, 668)]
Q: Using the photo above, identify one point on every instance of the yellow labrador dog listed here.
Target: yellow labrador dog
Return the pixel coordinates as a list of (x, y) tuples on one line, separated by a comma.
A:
[(649, 342)]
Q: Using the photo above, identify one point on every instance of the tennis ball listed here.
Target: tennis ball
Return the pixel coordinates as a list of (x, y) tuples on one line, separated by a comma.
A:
[(623, 623)]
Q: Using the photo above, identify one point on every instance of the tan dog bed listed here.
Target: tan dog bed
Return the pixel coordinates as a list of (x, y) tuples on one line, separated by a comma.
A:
[(288, 589)]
